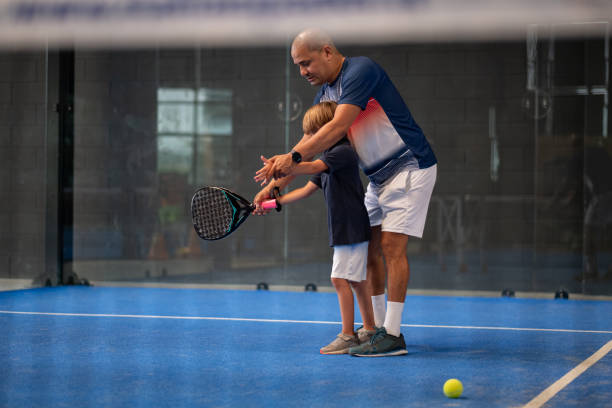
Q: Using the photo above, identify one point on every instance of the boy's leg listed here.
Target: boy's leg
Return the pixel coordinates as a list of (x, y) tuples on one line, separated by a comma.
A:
[(362, 293), (349, 264), (348, 338), (347, 307)]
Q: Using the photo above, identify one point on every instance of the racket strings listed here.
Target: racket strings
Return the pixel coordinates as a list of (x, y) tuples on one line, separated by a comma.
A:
[(212, 213)]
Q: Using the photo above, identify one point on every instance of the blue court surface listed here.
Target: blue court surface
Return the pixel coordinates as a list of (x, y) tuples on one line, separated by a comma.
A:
[(157, 347)]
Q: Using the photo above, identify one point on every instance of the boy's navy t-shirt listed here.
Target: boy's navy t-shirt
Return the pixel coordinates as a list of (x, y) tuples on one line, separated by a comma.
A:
[(347, 217)]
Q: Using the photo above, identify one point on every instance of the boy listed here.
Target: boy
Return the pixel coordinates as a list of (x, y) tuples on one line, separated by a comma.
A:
[(337, 174)]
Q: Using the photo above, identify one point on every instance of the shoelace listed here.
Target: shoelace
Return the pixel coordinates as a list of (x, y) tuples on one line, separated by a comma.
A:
[(379, 333)]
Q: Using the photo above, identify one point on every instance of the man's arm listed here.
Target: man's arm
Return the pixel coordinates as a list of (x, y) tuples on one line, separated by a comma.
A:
[(326, 137), (330, 133), (265, 174)]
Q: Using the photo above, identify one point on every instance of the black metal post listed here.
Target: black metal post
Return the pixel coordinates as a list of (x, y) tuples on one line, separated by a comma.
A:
[(65, 109)]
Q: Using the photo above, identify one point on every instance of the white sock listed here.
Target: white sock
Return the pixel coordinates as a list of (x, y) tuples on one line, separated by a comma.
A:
[(393, 318), (378, 304)]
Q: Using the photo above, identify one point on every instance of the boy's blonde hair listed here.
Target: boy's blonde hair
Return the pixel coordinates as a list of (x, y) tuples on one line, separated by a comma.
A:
[(317, 116)]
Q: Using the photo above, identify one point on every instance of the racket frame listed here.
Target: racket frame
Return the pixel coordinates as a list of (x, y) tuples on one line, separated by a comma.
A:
[(241, 209)]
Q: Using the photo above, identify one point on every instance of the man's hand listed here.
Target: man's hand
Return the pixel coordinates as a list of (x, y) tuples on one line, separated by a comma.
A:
[(283, 166)]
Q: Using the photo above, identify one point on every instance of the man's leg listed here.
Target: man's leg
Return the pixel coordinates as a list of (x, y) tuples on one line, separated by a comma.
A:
[(376, 276), (388, 340), (398, 274), (398, 269), (405, 201)]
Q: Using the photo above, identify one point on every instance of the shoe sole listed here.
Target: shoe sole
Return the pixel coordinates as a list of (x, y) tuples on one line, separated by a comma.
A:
[(387, 354), (333, 353)]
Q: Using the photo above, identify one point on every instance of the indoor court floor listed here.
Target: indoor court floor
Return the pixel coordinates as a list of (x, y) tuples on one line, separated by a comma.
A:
[(167, 347)]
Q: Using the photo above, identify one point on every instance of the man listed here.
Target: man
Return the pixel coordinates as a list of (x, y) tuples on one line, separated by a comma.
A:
[(393, 153)]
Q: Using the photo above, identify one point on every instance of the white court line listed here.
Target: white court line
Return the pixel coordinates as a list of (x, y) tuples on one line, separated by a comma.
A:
[(509, 328), (241, 319), (237, 319), (562, 382)]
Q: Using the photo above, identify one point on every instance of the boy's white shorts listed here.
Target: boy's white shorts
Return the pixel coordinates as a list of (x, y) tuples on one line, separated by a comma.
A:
[(350, 262), (400, 205)]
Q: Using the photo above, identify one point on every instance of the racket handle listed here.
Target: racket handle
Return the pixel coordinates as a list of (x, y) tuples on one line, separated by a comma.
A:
[(269, 204)]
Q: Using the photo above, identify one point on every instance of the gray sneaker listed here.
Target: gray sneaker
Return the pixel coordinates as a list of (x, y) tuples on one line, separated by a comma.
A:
[(380, 345), (364, 335), (341, 344)]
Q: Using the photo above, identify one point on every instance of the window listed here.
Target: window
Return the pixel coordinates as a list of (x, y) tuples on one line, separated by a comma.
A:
[(194, 134)]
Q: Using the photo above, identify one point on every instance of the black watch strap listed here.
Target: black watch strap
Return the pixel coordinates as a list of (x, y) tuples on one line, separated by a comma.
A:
[(276, 193), (296, 156)]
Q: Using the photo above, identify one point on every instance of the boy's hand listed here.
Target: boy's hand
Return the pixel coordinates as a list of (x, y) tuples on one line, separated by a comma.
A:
[(265, 174), (263, 195)]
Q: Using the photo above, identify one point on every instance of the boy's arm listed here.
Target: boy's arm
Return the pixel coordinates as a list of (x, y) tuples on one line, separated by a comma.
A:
[(298, 193), (266, 192), (312, 167)]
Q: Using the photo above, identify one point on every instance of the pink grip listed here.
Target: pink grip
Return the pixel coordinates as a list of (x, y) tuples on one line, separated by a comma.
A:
[(269, 204)]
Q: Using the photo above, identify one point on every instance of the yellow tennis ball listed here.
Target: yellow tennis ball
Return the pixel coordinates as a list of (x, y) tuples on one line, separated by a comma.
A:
[(453, 388)]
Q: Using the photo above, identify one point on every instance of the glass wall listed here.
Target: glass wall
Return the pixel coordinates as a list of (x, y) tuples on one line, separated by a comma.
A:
[(520, 129), (28, 169)]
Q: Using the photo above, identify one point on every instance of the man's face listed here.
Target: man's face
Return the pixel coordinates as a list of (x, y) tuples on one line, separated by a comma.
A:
[(314, 65)]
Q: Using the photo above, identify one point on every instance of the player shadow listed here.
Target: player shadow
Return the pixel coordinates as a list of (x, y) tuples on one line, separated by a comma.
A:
[(423, 349), (418, 349)]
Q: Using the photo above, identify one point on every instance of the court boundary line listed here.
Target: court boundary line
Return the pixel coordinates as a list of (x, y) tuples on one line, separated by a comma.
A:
[(461, 293), (570, 376), (244, 319)]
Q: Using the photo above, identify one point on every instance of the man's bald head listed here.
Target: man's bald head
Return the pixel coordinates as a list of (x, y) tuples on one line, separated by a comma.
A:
[(317, 57), (314, 39)]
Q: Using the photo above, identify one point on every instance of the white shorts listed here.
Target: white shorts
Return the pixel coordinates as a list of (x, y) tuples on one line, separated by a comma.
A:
[(400, 205), (350, 262)]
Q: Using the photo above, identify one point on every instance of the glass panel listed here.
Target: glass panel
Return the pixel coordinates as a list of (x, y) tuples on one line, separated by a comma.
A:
[(27, 200), (170, 121), (519, 128), (571, 139)]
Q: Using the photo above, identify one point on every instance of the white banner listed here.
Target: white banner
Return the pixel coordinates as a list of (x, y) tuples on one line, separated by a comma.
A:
[(119, 23)]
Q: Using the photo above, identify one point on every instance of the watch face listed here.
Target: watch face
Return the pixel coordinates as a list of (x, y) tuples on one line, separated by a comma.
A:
[(296, 156)]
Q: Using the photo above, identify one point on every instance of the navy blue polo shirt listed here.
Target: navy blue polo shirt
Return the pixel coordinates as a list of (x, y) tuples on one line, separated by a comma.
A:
[(385, 135), (347, 217)]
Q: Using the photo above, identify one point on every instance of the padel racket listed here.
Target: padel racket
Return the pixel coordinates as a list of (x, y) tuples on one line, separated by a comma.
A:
[(216, 212)]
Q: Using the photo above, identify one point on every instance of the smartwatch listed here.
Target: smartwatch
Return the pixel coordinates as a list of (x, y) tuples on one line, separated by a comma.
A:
[(296, 156)]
